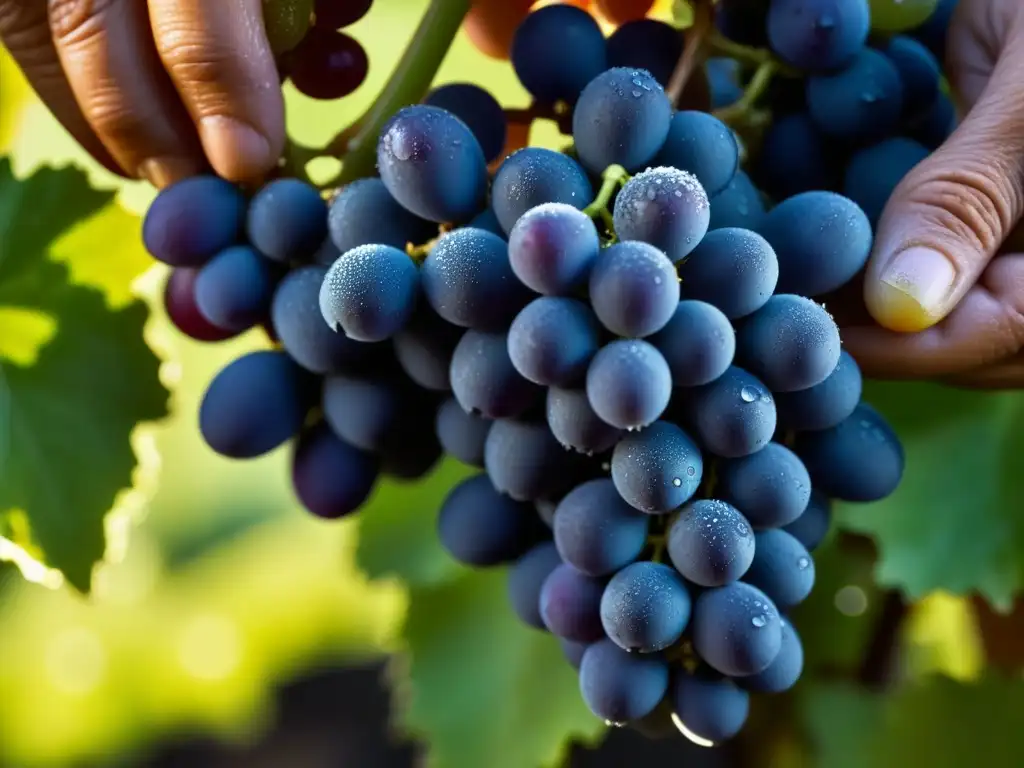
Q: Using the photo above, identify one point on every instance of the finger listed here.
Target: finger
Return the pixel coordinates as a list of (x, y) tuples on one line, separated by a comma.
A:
[(986, 328), (106, 50), (25, 31), (950, 214), (220, 61)]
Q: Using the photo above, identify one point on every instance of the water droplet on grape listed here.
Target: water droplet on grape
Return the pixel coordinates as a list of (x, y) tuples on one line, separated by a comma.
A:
[(748, 394), (759, 621)]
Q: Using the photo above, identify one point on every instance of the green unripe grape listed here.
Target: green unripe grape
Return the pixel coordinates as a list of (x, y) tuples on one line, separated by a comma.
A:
[(286, 22), (900, 15)]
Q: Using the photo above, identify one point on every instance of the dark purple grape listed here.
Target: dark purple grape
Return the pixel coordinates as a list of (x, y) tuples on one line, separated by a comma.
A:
[(327, 65), (180, 301)]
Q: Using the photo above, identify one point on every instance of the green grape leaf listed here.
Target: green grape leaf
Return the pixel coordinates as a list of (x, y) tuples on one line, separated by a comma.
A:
[(75, 377), (955, 523), (483, 689), (934, 722)]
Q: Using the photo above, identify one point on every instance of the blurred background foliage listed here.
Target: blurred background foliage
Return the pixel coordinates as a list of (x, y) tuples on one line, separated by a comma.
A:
[(227, 591)]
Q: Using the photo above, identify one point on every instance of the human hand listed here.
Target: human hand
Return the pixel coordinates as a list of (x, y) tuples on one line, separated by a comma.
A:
[(946, 278), (158, 89)]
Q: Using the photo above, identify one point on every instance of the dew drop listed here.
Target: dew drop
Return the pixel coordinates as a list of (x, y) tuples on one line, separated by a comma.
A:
[(758, 621), (748, 394), (677, 481)]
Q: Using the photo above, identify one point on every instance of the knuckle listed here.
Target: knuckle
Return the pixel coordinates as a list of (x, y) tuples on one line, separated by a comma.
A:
[(76, 22), (978, 206), (192, 55), (112, 116)]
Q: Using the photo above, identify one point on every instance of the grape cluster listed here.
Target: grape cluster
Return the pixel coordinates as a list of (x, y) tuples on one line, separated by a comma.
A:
[(626, 338), (659, 392)]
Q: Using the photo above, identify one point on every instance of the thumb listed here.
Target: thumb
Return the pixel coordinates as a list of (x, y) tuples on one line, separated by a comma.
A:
[(950, 214)]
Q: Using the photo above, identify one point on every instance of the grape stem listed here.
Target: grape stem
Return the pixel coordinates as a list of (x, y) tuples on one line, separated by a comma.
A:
[(743, 108), (613, 177), (694, 39), (356, 145), (746, 54), (419, 252)]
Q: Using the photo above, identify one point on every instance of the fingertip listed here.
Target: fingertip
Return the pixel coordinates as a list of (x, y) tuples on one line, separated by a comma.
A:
[(896, 309), (912, 291), (237, 151)]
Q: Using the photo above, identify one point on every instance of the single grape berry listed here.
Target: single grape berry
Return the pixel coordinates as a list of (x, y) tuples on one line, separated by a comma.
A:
[(255, 404), (622, 118), (629, 384), (330, 477), (327, 65), (596, 532), (711, 543), (619, 686), (180, 302), (553, 247), (480, 527), (702, 145), (365, 213), (533, 176), (658, 468), (468, 280), (552, 341), (645, 607), (664, 207), (194, 219), (432, 164), (556, 51), (234, 289), (791, 343), (287, 220), (634, 289), (369, 292)]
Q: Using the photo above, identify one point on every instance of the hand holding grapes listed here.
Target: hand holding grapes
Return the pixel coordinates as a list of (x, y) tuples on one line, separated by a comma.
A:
[(946, 279), (155, 89)]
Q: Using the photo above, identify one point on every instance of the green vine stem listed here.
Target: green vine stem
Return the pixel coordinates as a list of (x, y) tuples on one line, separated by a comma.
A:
[(356, 146), (747, 54), (755, 89), (613, 177)]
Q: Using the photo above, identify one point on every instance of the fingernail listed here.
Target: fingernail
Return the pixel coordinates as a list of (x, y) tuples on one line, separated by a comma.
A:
[(921, 279), (237, 151), (163, 171)]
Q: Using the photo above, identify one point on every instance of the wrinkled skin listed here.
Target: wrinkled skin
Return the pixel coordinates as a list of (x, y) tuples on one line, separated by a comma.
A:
[(155, 89)]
